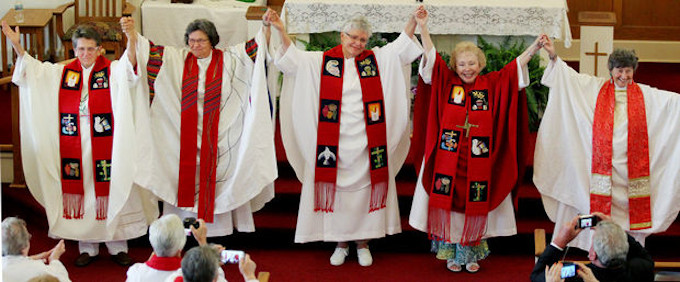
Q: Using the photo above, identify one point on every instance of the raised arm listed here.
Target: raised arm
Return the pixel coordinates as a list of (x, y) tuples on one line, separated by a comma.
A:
[(14, 37), (410, 28), (526, 56), (421, 17), (271, 17), (267, 25), (549, 47), (128, 26)]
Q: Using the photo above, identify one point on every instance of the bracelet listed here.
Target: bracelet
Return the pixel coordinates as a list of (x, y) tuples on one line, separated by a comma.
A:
[(553, 57), (266, 24)]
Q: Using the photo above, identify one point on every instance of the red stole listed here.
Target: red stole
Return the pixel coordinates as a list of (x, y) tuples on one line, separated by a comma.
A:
[(638, 155), (328, 132), (101, 133), (492, 107), (164, 263), (189, 130)]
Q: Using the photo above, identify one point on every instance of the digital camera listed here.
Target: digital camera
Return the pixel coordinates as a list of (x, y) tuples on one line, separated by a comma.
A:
[(587, 221)]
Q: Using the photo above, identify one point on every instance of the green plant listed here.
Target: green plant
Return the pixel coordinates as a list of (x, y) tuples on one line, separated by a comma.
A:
[(498, 56)]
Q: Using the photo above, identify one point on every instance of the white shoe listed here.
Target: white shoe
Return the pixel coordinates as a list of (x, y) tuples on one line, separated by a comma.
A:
[(365, 258), (339, 255)]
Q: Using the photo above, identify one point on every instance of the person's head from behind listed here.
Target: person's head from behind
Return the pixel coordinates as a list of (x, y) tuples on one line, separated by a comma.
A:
[(201, 37), (200, 264), (86, 45), (610, 245), (622, 65), (467, 60), (354, 36), (15, 237), (166, 236)]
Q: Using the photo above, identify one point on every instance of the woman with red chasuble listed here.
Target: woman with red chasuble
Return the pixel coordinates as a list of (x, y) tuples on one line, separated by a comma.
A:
[(608, 145), (470, 126), (344, 124)]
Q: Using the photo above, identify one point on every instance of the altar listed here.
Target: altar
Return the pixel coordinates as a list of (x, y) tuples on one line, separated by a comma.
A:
[(461, 17), (164, 23)]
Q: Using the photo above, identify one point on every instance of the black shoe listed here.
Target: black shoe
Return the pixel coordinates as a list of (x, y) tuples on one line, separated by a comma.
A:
[(122, 258), (84, 259)]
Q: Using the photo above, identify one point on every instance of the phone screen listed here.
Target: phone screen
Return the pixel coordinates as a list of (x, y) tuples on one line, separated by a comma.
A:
[(231, 256), (568, 271)]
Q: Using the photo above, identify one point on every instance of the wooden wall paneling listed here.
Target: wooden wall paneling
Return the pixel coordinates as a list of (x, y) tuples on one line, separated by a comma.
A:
[(636, 19)]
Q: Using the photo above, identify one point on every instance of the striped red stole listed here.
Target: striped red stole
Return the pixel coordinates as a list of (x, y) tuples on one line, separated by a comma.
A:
[(328, 132), (101, 133), (189, 130), (638, 156)]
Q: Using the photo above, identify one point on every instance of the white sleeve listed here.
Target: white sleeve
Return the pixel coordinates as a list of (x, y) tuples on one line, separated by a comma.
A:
[(523, 79), (427, 65)]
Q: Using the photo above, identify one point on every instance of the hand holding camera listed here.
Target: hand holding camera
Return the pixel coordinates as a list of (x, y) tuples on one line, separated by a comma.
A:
[(587, 221), (197, 228)]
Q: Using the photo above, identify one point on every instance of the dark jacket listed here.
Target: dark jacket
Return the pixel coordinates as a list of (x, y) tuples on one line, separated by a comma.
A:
[(639, 266)]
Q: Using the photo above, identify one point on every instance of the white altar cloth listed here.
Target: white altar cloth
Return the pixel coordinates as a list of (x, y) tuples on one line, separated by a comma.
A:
[(479, 17)]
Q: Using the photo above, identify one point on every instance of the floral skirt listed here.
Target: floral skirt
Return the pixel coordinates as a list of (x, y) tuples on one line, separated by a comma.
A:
[(460, 254)]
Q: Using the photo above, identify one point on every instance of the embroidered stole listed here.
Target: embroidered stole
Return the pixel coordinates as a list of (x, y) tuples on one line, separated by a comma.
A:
[(101, 133), (328, 133), (638, 156), (189, 129), (164, 263), (462, 111)]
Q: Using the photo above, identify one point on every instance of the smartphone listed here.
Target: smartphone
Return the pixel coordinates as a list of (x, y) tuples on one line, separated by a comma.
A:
[(232, 256), (568, 270), (587, 221)]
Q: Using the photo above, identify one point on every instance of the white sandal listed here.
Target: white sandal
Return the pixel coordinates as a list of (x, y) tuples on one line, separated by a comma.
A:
[(452, 266), (470, 265)]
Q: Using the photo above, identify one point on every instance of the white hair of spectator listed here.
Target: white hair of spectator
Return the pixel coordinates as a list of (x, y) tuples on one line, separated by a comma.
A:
[(166, 235), (610, 243), (15, 237), (200, 264)]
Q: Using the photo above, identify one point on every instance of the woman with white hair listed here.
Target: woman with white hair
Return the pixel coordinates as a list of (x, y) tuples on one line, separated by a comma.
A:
[(345, 127), (17, 265)]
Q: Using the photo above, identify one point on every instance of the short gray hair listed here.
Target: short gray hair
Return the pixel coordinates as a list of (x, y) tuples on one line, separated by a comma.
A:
[(15, 237), (358, 22), (610, 243), (86, 32), (621, 58), (200, 264), (166, 235), (203, 25)]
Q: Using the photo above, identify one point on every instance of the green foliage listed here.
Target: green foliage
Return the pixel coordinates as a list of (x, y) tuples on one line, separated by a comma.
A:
[(498, 56)]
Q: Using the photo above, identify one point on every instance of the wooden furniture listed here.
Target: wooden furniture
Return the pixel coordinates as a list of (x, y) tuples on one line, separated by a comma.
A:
[(18, 178), (635, 19), (33, 34), (103, 16), (263, 276)]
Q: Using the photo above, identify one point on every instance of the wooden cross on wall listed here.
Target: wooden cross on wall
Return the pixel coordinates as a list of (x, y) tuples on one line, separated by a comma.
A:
[(596, 54)]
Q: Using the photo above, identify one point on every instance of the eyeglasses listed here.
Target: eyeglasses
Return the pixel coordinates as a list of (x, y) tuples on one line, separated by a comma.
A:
[(197, 41), (87, 49), (356, 38)]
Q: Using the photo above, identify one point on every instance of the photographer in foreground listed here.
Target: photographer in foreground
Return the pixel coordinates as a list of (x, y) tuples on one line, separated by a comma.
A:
[(614, 255), (167, 237), (202, 264)]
